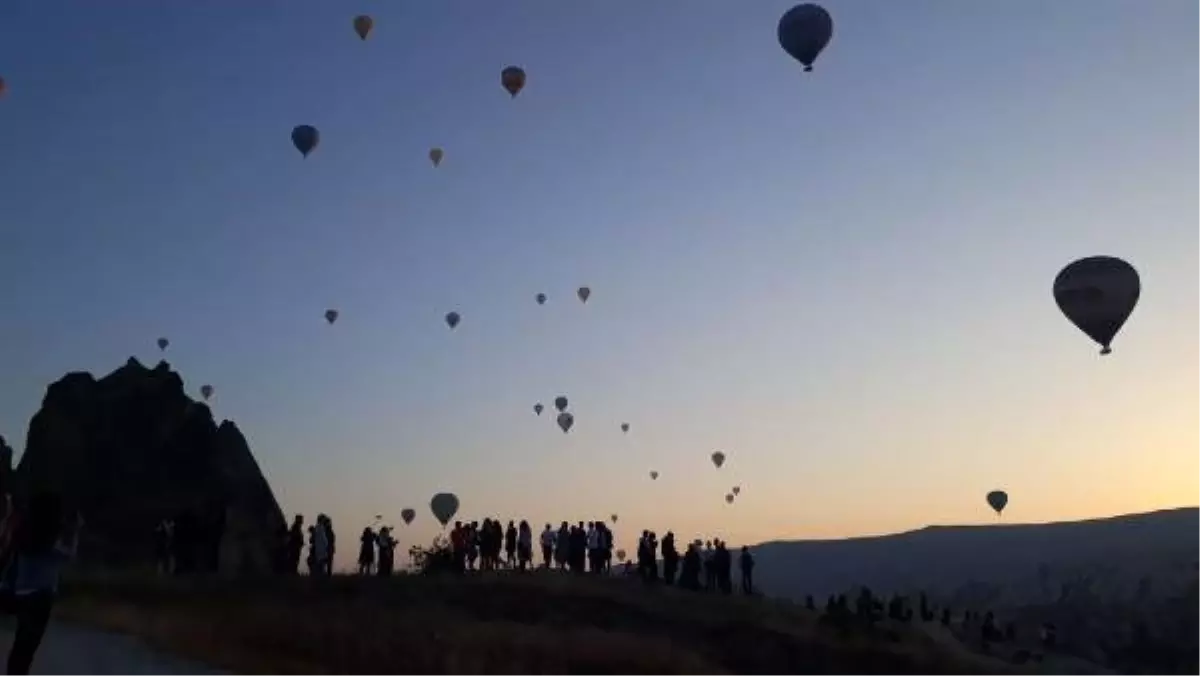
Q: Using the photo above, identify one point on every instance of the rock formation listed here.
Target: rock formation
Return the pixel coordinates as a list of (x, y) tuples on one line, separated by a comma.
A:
[(131, 449)]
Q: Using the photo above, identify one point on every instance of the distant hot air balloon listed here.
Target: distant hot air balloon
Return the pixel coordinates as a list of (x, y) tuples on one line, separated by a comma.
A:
[(512, 79), (305, 138), (653, 475), (444, 506), (163, 343), (718, 459), (625, 427), (407, 515), (614, 518), (1098, 294), (540, 298), (206, 391), (729, 498), (997, 501), (804, 31), (435, 156), (621, 555), (538, 408), (363, 25), (560, 403), (452, 319), (565, 421), (737, 490), (584, 293), (331, 316)]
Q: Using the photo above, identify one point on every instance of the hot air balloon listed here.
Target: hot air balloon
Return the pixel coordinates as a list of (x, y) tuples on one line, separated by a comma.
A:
[(206, 391), (625, 427), (435, 156), (540, 298), (512, 79), (997, 500), (363, 25), (718, 459), (444, 506), (737, 490), (538, 408), (565, 421), (729, 498), (163, 343), (331, 316), (584, 293), (1098, 294), (305, 138), (614, 518), (452, 319), (407, 515), (653, 475), (560, 402), (621, 555), (804, 31)]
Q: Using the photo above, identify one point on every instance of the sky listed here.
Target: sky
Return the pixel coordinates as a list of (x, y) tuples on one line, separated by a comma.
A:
[(841, 279)]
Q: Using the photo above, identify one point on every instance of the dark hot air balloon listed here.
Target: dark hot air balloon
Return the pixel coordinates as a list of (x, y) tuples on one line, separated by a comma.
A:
[(444, 506), (331, 316), (407, 515), (997, 501), (305, 138), (163, 343), (512, 79), (584, 293), (804, 31), (566, 421), (540, 298), (452, 319), (538, 408), (1098, 294), (560, 403), (363, 25)]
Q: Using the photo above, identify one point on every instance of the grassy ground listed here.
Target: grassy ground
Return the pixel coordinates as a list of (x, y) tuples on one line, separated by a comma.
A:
[(506, 623)]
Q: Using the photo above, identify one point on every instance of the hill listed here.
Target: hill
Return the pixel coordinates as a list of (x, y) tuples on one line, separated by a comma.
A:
[(998, 564), (499, 623)]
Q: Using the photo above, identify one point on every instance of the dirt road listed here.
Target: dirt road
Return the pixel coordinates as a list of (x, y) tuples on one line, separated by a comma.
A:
[(74, 649)]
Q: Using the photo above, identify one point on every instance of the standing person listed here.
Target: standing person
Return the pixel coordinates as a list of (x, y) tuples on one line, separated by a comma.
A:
[(332, 546), (747, 567), (723, 562), (41, 547), (312, 551), (710, 567), (366, 552), (473, 542), (562, 546), (547, 541), (295, 545), (524, 545), (387, 552), (670, 557), (593, 547), (458, 546), (320, 547), (510, 545)]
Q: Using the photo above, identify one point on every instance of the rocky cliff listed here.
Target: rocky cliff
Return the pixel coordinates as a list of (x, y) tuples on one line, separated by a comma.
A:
[(131, 449)]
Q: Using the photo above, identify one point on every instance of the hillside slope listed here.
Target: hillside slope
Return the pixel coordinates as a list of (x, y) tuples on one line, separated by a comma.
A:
[(1004, 564), (500, 623)]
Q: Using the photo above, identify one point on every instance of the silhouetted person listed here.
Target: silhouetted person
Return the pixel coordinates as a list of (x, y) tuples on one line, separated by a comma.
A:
[(322, 550), (546, 540), (510, 545), (670, 557), (387, 552), (332, 540), (475, 535), (606, 548), (710, 570), (366, 552), (689, 573), (593, 547), (723, 562), (562, 546), (295, 545), (578, 549), (458, 546), (42, 547), (312, 554), (162, 546), (524, 545), (746, 566)]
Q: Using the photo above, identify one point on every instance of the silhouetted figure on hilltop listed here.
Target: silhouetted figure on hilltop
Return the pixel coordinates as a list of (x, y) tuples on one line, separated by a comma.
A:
[(689, 572), (606, 548), (524, 545), (495, 540), (595, 547), (746, 566), (331, 539), (295, 545), (710, 568), (562, 546), (510, 545), (312, 554), (578, 548), (322, 549), (387, 552), (458, 546), (670, 557), (723, 562), (366, 552)]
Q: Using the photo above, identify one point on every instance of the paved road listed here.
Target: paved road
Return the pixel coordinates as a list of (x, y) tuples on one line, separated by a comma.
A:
[(73, 649)]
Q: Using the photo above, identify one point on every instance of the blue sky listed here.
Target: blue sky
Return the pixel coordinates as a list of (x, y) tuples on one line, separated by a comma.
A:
[(842, 279)]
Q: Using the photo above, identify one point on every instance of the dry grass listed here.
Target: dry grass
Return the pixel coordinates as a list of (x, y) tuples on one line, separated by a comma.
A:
[(535, 623)]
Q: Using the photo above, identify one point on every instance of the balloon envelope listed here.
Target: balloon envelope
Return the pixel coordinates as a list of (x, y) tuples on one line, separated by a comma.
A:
[(363, 25), (540, 298), (804, 31), (512, 79), (538, 408), (163, 343), (718, 459), (997, 500), (614, 518), (206, 391), (305, 138), (560, 403), (565, 421), (729, 498), (435, 156), (452, 319), (737, 490), (331, 316), (407, 515), (444, 506), (624, 427), (653, 474), (584, 293), (1097, 294)]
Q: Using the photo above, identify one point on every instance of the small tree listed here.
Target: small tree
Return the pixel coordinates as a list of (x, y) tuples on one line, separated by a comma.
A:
[(437, 558)]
